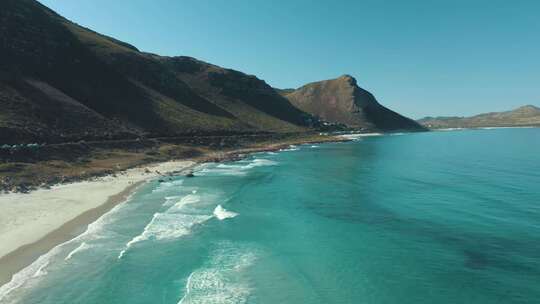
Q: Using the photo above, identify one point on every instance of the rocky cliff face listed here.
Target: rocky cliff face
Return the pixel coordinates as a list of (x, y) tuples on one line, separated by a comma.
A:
[(342, 101), (528, 115)]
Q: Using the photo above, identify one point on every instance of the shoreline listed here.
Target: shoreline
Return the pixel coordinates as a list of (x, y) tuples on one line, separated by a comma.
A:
[(26, 247), (25, 255), (33, 224)]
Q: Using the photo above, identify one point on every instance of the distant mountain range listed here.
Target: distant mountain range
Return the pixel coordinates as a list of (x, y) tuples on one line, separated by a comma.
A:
[(523, 116), (342, 101), (61, 82)]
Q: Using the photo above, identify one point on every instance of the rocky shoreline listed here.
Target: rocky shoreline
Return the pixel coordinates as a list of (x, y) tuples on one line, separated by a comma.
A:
[(198, 154)]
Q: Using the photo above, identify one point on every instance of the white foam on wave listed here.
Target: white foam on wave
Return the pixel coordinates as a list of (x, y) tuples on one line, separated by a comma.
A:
[(220, 171), (165, 226), (164, 186), (41, 270), (32, 271), (81, 247), (358, 136), (171, 224), (221, 281), (221, 213), (450, 129), (238, 168), (290, 149), (173, 197), (186, 200), (258, 162)]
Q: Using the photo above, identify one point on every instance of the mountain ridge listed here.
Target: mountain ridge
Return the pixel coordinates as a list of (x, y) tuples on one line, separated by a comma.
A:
[(123, 92), (527, 115), (62, 82)]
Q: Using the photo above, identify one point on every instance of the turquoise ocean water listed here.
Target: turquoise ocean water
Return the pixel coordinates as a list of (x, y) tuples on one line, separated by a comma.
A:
[(440, 217)]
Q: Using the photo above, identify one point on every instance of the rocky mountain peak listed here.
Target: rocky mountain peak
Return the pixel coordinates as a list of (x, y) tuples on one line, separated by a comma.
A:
[(349, 79), (342, 101)]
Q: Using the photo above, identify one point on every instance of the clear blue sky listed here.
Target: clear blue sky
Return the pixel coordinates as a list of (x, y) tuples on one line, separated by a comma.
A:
[(419, 57)]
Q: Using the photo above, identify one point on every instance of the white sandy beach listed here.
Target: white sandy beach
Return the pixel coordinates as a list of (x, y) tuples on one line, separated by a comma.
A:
[(28, 218)]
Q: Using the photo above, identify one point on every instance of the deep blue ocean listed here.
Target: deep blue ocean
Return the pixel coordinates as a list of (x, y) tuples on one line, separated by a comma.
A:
[(438, 217)]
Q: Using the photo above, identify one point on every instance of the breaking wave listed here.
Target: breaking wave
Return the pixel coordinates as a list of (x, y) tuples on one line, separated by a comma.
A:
[(82, 246), (221, 213), (359, 136), (171, 224), (290, 148), (221, 280), (164, 186), (238, 168)]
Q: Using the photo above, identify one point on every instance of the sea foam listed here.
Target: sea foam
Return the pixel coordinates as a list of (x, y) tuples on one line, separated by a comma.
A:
[(164, 186), (290, 148), (221, 213), (81, 247), (359, 136), (238, 168), (34, 270), (171, 224), (221, 280)]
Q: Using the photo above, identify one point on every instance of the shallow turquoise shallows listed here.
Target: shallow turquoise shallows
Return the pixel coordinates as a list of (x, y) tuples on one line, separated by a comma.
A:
[(439, 217)]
